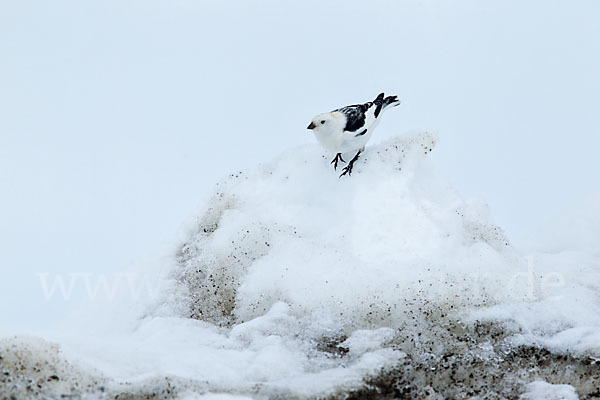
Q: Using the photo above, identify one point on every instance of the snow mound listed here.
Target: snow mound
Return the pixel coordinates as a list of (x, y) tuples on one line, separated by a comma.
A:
[(343, 253), (293, 282)]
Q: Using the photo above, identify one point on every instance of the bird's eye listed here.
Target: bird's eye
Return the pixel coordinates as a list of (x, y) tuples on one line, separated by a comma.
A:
[(322, 122)]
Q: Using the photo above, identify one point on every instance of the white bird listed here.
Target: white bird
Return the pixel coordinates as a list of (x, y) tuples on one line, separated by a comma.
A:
[(350, 128)]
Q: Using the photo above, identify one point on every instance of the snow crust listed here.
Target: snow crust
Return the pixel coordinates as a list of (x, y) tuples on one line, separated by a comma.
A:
[(293, 282), (540, 390)]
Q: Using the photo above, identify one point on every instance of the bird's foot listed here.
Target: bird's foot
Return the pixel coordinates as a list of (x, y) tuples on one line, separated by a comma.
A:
[(338, 157), (347, 170)]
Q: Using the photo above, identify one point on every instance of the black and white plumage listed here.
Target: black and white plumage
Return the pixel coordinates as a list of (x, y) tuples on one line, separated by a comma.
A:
[(350, 128)]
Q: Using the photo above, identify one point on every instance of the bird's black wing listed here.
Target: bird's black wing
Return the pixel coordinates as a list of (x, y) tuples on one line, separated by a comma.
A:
[(355, 116)]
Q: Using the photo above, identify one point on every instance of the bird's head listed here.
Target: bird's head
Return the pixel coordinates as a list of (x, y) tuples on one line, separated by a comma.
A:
[(323, 123)]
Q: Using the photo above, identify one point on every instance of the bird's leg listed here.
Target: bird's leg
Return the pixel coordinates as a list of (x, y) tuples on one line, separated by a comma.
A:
[(338, 157), (348, 169)]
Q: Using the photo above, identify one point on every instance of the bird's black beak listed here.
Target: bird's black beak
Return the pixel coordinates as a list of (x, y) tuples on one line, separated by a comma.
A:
[(311, 126)]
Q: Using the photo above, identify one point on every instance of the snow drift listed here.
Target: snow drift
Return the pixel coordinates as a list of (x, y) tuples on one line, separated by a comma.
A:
[(341, 253), (293, 282)]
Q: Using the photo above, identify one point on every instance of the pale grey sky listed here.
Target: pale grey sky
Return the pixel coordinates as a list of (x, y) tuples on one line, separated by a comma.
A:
[(116, 117)]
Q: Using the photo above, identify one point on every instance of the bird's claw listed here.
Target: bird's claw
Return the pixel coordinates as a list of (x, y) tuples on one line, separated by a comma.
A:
[(338, 157), (346, 170)]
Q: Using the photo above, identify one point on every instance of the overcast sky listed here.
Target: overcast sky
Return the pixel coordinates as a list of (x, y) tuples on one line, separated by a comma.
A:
[(116, 117)]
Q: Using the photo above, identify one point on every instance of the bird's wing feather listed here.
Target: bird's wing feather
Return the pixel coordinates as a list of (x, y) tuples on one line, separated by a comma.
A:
[(355, 115)]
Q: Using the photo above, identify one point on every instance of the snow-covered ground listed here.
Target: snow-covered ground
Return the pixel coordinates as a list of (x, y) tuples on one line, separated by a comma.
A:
[(292, 282), (540, 390)]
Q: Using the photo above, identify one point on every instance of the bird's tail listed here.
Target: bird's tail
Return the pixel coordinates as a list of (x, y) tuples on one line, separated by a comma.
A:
[(391, 101), (382, 103)]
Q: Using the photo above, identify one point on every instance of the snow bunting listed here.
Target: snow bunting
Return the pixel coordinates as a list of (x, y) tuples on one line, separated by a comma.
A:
[(350, 128)]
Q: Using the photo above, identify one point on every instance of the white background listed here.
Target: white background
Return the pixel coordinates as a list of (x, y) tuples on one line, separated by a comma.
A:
[(117, 117)]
